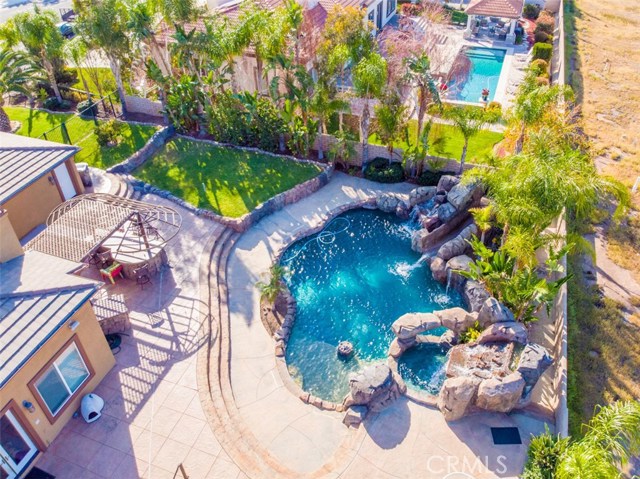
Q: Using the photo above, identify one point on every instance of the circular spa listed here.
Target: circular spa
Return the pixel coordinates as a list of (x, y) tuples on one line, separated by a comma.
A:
[(351, 281)]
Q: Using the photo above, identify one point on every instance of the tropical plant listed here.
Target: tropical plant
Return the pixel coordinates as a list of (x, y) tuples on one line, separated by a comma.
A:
[(469, 121), (524, 289), (323, 105), (471, 334), (369, 78), (17, 73), (142, 22), (610, 440), (391, 120), (76, 51), (110, 37), (420, 77), (483, 218), (342, 150), (39, 35), (183, 101), (275, 284), (109, 132)]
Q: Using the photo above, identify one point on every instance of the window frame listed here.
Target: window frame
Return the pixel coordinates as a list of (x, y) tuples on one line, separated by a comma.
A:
[(53, 416)]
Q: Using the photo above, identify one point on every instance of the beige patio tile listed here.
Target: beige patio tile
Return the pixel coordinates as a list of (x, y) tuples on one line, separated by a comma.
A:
[(187, 430), (224, 468), (74, 447), (198, 464), (163, 421), (170, 455), (147, 446), (129, 468), (207, 442), (105, 462), (195, 408), (179, 398)]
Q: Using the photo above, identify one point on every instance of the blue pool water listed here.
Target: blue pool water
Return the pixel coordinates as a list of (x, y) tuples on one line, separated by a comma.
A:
[(486, 65), (351, 282), (423, 368)]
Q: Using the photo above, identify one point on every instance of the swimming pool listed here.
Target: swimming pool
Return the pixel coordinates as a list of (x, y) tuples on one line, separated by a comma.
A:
[(351, 281), (486, 65)]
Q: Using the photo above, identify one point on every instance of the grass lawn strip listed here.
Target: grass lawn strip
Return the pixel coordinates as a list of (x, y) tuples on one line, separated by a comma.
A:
[(228, 181), (37, 122)]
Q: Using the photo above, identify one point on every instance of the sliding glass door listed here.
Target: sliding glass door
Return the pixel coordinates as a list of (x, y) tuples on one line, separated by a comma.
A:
[(16, 447)]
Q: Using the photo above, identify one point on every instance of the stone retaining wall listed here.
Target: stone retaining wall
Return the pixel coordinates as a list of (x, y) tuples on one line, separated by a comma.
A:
[(140, 157), (145, 106)]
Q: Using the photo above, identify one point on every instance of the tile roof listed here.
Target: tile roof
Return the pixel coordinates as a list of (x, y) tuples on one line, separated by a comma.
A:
[(38, 295), (23, 160), (496, 8)]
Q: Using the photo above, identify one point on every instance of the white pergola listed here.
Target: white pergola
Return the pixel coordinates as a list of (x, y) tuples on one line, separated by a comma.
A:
[(511, 9)]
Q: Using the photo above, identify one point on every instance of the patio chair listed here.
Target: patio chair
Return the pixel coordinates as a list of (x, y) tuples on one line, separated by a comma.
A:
[(101, 259), (142, 275)]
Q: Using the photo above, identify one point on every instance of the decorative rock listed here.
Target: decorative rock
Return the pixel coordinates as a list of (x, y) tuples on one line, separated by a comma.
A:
[(455, 264), (474, 295), (421, 194), (354, 416), (456, 319), (461, 195), (500, 395), (503, 333), (446, 212), (345, 349), (403, 210), (534, 361), (448, 339), (458, 245), (447, 182), (441, 197), (409, 325), (492, 311), (387, 202), (456, 395), (430, 222), (374, 387), (398, 347), (438, 269)]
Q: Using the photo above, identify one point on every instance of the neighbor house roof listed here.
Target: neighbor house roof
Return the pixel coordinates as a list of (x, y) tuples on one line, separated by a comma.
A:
[(23, 160), (38, 295), (496, 8)]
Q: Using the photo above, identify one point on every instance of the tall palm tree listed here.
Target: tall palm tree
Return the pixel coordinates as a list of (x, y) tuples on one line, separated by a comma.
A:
[(390, 121), (111, 37), (323, 105), (38, 33), (17, 73), (142, 22), (469, 121), (369, 79), (420, 77), (532, 104)]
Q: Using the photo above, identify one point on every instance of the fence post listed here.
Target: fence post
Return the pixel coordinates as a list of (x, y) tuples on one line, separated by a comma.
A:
[(65, 133)]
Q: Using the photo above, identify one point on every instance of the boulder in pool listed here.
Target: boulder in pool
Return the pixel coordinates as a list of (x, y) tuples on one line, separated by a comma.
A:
[(456, 319), (374, 387), (438, 269), (388, 202), (493, 311), (507, 332), (446, 182), (410, 325), (421, 194), (474, 294), (462, 195)]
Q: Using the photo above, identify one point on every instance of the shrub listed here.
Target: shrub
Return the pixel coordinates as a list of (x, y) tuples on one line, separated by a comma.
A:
[(531, 11), (542, 81), (539, 66), (431, 178), (542, 51), (87, 109), (459, 17), (66, 76), (545, 452), (495, 108), (542, 37), (411, 9), (545, 23), (52, 103), (381, 171), (72, 96), (271, 289), (471, 334), (108, 132)]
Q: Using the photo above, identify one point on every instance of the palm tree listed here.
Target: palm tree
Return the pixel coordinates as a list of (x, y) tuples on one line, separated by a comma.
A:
[(483, 218), (611, 439), (369, 79), (419, 75), (323, 105), (39, 35), (109, 36), (142, 22), (469, 121), (532, 104), (17, 72), (390, 121), (76, 51)]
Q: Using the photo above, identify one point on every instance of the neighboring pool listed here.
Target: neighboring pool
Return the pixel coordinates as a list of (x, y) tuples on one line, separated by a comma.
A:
[(351, 282), (486, 65)]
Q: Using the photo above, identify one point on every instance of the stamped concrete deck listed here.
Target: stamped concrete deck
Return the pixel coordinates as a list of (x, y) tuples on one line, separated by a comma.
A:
[(407, 440)]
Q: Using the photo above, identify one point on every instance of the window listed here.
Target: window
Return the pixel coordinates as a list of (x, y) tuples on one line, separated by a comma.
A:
[(62, 379), (391, 7)]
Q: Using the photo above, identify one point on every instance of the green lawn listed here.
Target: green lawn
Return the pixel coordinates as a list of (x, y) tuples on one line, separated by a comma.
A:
[(104, 77), (227, 181), (446, 141), (36, 122)]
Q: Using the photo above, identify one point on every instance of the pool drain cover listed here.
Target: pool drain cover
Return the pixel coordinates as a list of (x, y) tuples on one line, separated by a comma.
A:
[(505, 435)]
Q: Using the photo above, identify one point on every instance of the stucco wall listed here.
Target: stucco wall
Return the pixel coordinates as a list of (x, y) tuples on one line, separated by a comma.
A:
[(90, 336), (31, 206)]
